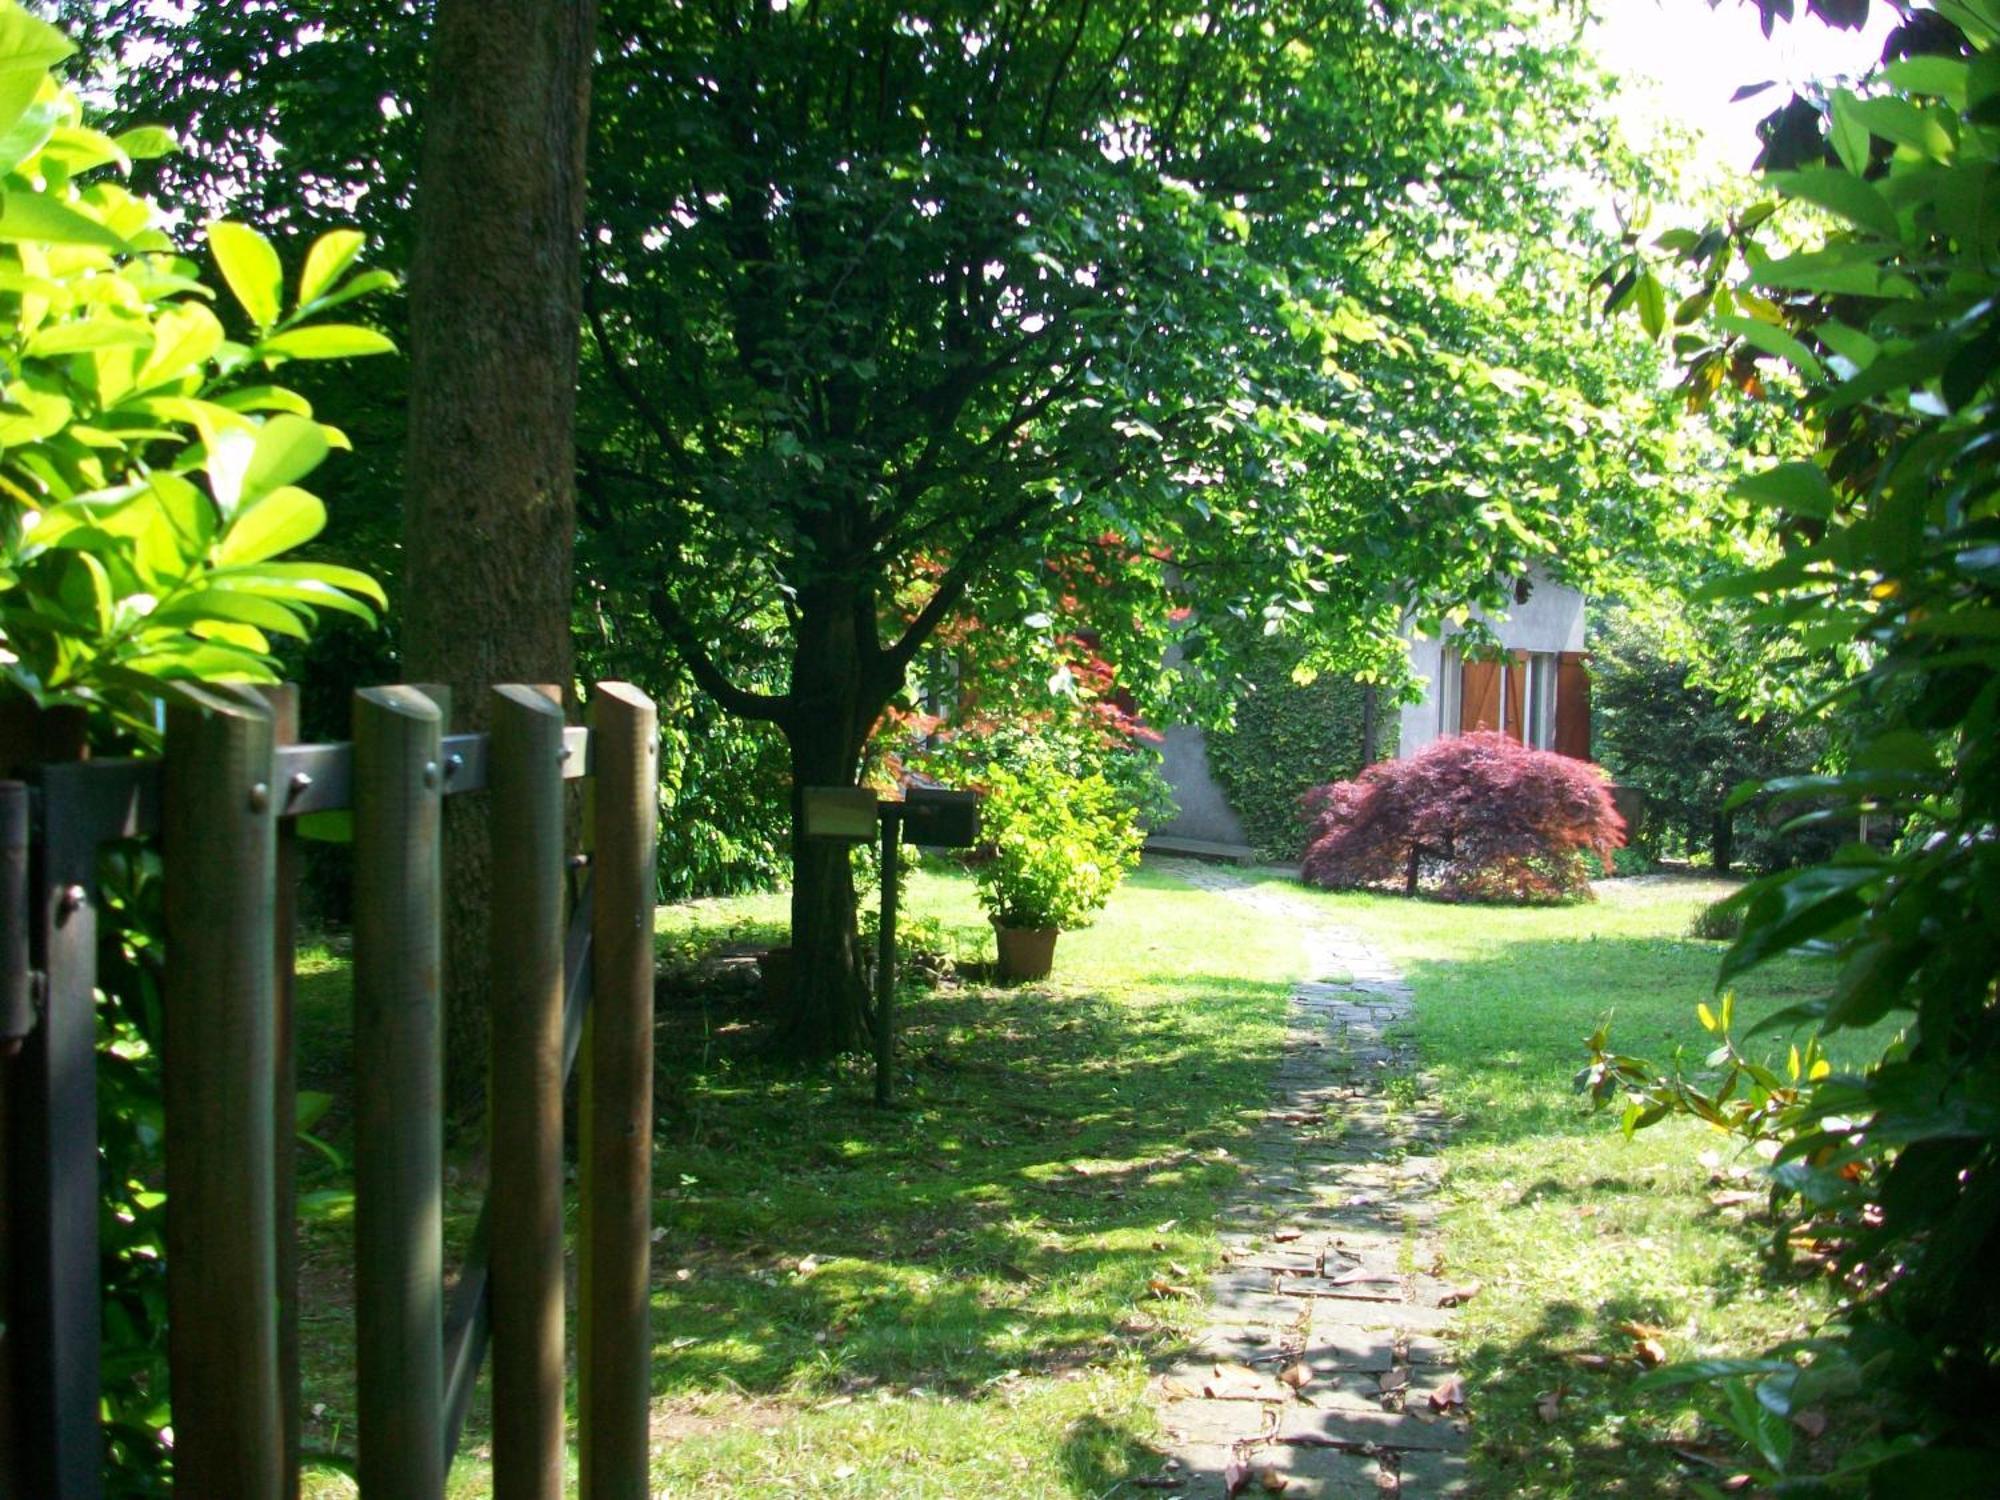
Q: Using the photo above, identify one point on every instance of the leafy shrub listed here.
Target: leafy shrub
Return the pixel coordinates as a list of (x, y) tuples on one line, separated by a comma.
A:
[(1475, 817), (150, 491), (1718, 922), (1890, 553), (1287, 737), (1060, 845), (1687, 746)]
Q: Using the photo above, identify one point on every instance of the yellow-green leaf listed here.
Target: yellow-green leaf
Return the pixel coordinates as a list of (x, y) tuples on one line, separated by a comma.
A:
[(326, 341), (330, 255), (280, 521), (250, 266)]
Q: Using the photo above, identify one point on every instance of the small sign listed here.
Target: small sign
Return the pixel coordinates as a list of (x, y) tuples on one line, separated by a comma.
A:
[(839, 812)]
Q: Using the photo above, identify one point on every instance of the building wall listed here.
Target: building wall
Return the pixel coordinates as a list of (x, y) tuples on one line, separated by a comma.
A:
[(1205, 814), (1551, 620)]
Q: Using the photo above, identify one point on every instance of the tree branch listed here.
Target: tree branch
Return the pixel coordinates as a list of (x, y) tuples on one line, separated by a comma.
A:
[(702, 667)]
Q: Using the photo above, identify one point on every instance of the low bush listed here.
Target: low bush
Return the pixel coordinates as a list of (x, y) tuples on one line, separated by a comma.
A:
[(1718, 922), (1473, 818), (1061, 845)]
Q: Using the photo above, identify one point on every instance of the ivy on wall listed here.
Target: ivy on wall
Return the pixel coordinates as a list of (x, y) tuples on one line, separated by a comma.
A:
[(1289, 737)]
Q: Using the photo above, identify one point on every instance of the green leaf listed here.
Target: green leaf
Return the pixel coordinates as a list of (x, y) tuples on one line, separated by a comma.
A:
[(1771, 339), (250, 266), (330, 255), (1898, 120), (1850, 136), (324, 341), (185, 339), (280, 521), (1652, 299), (230, 604), (1939, 77), (1798, 486), (146, 142), (41, 218), (288, 448), (1841, 193)]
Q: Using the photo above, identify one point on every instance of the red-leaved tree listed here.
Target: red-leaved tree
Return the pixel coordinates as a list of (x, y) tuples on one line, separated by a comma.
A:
[(1474, 818)]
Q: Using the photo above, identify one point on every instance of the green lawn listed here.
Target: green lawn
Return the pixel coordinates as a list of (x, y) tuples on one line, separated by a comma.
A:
[(1571, 1230), (952, 1299)]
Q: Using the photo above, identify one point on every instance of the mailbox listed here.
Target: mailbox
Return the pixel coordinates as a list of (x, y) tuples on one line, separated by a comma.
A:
[(839, 812), (938, 819)]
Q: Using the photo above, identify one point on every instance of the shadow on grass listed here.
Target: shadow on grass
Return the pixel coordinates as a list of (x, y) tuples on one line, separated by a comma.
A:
[(1053, 1154)]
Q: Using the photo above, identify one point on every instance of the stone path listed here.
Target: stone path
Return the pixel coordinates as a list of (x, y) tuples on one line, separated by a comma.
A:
[(1321, 1372)]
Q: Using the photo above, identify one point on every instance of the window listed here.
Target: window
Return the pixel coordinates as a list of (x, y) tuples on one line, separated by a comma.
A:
[(1449, 673), (1540, 705)]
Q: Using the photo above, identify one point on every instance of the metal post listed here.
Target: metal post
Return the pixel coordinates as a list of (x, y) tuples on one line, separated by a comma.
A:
[(614, 1346), (524, 1092), (885, 959), (399, 1104), (220, 848), (284, 703)]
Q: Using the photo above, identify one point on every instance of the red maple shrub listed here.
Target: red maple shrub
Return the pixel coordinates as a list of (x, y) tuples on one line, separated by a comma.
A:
[(1476, 817)]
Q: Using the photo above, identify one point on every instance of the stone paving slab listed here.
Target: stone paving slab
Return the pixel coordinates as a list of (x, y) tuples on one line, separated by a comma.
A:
[(1335, 1276)]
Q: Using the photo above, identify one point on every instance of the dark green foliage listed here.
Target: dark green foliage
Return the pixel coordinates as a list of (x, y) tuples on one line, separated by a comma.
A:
[(1719, 922), (1658, 727), (1288, 737), (1892, 552)]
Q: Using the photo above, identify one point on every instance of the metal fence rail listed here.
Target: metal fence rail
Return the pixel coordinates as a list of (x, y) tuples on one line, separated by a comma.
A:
[(222, 800)]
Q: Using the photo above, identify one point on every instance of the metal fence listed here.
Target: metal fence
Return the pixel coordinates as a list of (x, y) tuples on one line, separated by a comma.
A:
[(572, 979)]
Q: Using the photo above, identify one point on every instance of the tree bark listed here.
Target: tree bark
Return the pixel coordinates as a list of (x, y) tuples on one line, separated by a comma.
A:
[(1722, 841), (835, 700), (495, 289)]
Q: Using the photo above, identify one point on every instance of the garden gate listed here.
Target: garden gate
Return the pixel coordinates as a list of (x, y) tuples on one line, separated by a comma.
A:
[(223, 801)]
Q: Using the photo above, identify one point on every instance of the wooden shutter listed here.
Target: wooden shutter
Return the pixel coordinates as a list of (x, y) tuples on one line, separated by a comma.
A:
[(1572, 705), (1479, 696), (1515, 725)]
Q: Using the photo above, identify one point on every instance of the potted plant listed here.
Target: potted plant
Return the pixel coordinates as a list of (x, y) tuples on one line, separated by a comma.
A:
[(1060, 846)]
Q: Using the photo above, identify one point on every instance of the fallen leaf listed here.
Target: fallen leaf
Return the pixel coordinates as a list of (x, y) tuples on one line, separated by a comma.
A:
[(1234, 1478), (1548, 1405), (808, 1264), (1392, 1381), (1175, 1268), (1643, 1330), (1297, 1375), (1285, 1236), (1592, 1361), (1458, 1296), (1159, 1286), (1736, 1482), (1273, 1481), (1649, 1352), (1448, 1395), (1228, 1380), (1811, 1423)]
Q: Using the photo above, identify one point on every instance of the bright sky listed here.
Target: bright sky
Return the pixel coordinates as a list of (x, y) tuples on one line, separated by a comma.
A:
[(1681, 61)]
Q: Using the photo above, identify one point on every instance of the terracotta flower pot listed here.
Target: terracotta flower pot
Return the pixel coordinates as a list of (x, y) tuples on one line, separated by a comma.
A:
[(1026, 952)]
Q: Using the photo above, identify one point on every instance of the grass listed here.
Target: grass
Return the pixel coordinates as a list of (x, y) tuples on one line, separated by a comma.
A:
[(1572, 1231), (952, 1298)]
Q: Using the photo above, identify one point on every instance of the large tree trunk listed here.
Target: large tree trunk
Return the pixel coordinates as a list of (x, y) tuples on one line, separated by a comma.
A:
[(495, 287), (835, 700)]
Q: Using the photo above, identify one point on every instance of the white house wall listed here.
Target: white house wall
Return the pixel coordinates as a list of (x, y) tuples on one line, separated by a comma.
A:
[(1551, 620)]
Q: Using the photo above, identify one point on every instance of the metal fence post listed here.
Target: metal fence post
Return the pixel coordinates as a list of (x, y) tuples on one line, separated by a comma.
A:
[(219, 843), (614, 1345), (399, 1102), (524, 1092)]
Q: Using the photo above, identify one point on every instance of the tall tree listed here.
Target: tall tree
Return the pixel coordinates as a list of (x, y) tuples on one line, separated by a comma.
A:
[(1111, 305), (489, 520)]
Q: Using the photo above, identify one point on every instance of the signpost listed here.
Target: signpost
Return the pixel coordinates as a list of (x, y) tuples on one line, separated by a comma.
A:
[(933, 817)]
